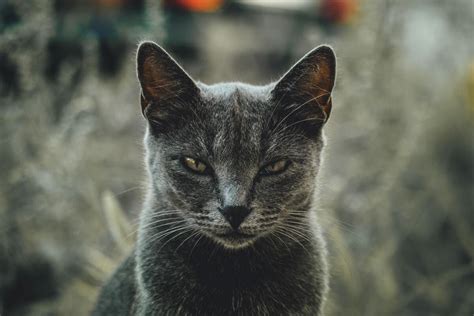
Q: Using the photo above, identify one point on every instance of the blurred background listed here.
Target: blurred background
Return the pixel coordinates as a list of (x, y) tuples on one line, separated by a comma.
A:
[(397, 189)]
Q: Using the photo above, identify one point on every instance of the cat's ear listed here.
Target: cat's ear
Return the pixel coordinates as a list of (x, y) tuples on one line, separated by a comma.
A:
[(164, 84), (308, 85)]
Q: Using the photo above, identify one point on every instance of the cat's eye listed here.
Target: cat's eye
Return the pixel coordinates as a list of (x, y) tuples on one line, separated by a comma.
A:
[(275, 167), (195, 165)]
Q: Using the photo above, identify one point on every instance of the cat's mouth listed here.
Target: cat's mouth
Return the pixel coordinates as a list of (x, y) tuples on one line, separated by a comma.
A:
[(236, 235)]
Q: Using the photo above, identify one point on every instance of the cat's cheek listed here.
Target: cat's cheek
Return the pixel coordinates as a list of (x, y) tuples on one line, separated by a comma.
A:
[(281, 183), (275, 192), (194, 189), (270, 199)]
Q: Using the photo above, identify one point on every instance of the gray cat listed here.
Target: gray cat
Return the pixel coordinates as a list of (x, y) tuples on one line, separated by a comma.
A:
[(229, 226)]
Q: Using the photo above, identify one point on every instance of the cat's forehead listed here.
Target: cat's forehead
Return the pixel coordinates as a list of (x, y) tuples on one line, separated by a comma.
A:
[(232, 122), (231, 94), (235, 115)]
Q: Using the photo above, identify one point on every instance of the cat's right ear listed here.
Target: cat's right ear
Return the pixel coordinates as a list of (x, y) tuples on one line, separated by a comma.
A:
[(164, 84)]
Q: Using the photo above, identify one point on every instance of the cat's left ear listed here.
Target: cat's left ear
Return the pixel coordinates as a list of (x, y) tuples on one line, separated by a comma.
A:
[(308, 85)]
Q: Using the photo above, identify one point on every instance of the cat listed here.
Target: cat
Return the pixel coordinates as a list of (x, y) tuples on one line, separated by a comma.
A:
[(229, 224)]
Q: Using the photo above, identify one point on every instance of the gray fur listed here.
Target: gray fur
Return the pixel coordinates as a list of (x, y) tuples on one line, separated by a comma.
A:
[(180, 265)]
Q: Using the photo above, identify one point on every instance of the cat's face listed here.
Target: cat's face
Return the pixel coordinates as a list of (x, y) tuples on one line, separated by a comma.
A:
[(232, 161)]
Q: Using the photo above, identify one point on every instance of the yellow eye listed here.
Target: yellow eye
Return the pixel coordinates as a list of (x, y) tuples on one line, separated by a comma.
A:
[(195, 165), (276, 167)]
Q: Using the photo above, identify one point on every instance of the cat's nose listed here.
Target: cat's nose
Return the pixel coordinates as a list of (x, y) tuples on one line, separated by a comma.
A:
[(235, 215)]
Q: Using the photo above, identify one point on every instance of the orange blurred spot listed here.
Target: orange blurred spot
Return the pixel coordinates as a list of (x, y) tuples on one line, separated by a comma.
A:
[(200, 5), (339, 11)]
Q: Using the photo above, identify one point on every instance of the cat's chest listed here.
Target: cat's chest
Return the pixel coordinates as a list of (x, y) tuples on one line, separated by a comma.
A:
[(236, 304), (237, 295)]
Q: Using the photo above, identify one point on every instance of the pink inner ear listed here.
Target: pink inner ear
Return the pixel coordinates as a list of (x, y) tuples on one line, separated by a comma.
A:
[(319, 83), (152, 81)]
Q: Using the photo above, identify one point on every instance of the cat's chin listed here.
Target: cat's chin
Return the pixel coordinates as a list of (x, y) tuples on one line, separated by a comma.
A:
[(234, 240)]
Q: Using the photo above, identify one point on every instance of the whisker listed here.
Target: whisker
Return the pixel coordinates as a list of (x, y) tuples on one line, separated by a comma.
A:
[(284, 233), (162, 224), (156, 214), (298, 233), (275, 234), (165, 233), (186, 230), (194, 246), (169, 220), (186, 239)]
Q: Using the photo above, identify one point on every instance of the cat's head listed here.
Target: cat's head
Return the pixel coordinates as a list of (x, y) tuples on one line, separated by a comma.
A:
[(232, 161)]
